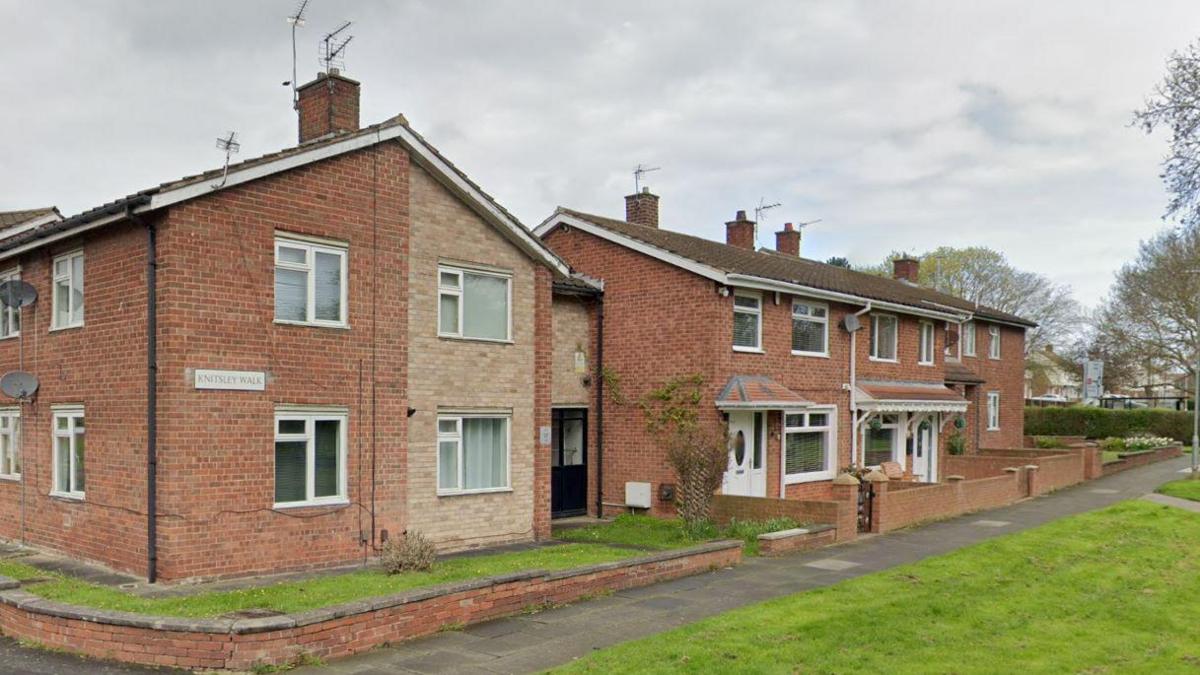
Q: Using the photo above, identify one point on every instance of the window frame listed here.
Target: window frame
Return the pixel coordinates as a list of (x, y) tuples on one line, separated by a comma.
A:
[(993, 411), (955, 353), (965, 329), (994, 342), (11, 274), (824, 321), (71, 412), (757, 312), (874, 346), (898, 454), (457, 436), (72, 320), (13, 415), (830, 429), (310, 418), (311, 249), (458, 293), (926, 342)]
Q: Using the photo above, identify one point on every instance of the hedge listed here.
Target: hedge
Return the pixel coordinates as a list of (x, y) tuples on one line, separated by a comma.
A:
[(1103, 422)]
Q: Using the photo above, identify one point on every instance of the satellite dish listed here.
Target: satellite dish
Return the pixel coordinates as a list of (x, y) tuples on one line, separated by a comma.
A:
[(851, 323), (17, 293), (18, 384)]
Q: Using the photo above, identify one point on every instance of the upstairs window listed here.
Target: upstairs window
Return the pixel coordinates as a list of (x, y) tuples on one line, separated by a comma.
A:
[(968, 338), (925, 352), (993, 342), (474, 305), (310, 283), (747, 322), (68, 291), (810, 329), (10, 317), (808, 446), (883, 337), (68, 452)]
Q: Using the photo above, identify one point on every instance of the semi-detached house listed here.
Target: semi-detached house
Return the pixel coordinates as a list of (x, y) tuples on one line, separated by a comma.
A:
[(281, 366), (815, 368)]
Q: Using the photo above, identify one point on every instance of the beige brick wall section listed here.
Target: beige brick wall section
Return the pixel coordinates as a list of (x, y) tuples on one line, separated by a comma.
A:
[(457, 374), (571, 336)]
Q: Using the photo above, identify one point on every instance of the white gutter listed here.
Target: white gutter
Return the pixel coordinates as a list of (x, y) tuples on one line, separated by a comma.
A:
[(759, 283), (854, 389), (38, 243)]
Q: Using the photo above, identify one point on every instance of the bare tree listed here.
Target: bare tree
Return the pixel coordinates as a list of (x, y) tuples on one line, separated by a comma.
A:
[(1175, 104)]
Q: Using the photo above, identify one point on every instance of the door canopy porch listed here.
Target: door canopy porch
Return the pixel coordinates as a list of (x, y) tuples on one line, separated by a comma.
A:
[(907, 397), (758, 392)]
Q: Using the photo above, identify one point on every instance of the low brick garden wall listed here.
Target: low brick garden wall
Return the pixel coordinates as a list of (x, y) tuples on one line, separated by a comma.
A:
[(842, 514), (332, 632), (894, 509), (799, 539), (1130, 460)]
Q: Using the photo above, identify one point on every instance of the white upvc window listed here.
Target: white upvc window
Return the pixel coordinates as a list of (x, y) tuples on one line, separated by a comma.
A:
[(953, 338), (883, 337), (310, 283), (747, 321), (310, 457), (968, 338), (68, 452), (473, 453), (810, 328), (67, 298), (10, 317), (993, 342), (809, 445), (993, 411), (882, 444), (925, 344), (474, 304), (10, 443)]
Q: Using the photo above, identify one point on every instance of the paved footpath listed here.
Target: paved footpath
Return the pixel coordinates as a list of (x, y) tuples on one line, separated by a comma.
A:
[(553, 637), (535, 642)]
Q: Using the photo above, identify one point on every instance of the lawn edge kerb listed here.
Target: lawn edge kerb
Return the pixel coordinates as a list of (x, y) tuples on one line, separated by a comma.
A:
[(337, 630)]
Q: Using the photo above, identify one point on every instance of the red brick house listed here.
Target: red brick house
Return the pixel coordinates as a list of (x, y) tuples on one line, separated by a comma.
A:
[(282, 365), (815, 367)]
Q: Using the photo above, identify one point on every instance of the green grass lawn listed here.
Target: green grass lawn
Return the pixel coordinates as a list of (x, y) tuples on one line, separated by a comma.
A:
[(656, 534), (1110, 591), (296, 596), (1184, 489)]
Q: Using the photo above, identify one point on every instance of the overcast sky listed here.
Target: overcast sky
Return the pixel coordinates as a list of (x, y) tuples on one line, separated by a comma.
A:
[(902, 125)]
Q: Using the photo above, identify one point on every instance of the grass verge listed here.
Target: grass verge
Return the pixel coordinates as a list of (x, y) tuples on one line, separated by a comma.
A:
[(656, 534), (1107, 591), (321, 591), (1184, 489)]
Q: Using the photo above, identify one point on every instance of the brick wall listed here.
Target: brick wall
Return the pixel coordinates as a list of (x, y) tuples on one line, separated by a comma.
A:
[(1129, 461), (1005, 375), (894, 509), (572, 335)]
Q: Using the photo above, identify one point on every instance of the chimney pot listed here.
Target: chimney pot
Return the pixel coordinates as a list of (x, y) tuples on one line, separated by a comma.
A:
[(328, 105), (907, 269), (641, 208), (739, 232)]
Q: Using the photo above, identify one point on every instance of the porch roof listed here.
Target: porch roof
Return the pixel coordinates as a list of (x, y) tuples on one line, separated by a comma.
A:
[(758, 392), (884, 396)]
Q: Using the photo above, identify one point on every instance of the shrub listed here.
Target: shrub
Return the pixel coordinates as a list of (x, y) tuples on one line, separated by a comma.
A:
[(1048, 442), (1102, 422), (956, 444), (699, 456), (410, 553), (1113, 445)]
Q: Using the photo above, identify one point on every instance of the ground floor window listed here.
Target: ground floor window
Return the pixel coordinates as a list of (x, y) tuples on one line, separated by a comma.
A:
[(879, 440), (809, 446), (10, 444), (472, 453), (68, 452), (310, 458)]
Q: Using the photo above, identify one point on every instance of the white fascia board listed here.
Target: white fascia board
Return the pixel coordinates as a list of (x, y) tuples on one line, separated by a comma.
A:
[(641, 247), (38, 243), (759, 283)]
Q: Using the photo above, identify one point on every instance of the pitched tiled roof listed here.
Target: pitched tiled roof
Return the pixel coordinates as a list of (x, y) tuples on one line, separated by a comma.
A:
[(750, 391), (10, 218), (957, 373), (791, 269), (907, 391)]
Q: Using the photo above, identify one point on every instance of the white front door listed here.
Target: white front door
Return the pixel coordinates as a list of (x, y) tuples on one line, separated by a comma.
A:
[(924, 460), (747, 471)]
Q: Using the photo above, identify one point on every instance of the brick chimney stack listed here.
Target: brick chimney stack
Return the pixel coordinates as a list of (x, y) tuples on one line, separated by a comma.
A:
[(641, 208), (787, 240), (907, 269), (739, 232), (327, 105)]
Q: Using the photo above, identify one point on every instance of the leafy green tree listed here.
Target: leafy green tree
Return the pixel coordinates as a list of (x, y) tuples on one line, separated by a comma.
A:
[(838, 261)]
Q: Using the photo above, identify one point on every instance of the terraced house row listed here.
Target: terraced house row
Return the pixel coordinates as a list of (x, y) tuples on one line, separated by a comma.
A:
[(284, 364)]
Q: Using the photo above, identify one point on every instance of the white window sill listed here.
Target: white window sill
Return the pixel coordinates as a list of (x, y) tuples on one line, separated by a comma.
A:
[(10, 336), (461, 338), (876, 359), (749, 350), (68, 496), (462, 493), (815, 476), (10, 477), (927, 364), (992, 429), (993, 358), (814, 355), (55, 329), (339, 501), (313, 324), (969, 355)]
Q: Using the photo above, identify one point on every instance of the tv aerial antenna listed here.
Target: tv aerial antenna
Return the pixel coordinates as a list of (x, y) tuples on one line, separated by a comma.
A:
[(806, 223), (760, 211), (231, 146), (333, 48), (296, 19), (639, 171)]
